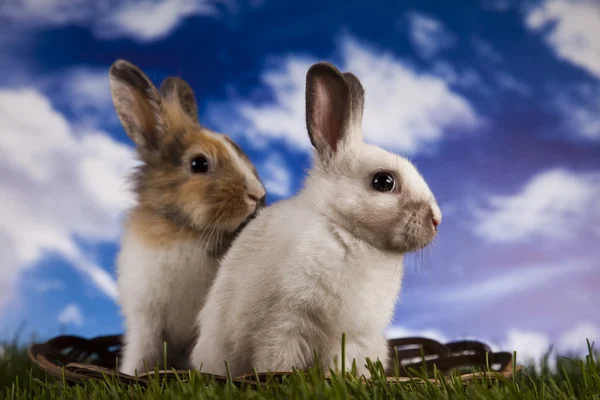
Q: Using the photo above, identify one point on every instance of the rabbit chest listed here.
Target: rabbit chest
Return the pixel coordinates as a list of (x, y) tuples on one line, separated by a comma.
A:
[(364, 283), (372, 300), (167, 283), (347, 285)]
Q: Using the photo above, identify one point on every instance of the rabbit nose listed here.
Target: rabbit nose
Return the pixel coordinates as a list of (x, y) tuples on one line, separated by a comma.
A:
[(436, 215), (262, 201), (258, 201)]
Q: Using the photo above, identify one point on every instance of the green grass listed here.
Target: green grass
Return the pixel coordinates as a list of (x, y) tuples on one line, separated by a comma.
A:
[(574, 379)]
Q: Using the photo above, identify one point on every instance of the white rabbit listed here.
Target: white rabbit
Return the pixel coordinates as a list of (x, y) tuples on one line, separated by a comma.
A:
[(325, 262), (195, 189)]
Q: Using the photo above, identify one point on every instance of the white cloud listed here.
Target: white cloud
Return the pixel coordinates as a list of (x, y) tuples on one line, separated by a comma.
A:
[(498, 5), (57, 184), (530, 346), (510, 83), (148, 21), (572, 29), (579, 106), (143, 20), (471, 79), (510, 282), (277, 177), (86, 87), (44, 286), (554, 204), (466, 78), (404, 110), (428, 35), (83, 92), (11, 47), (486, 50), (574, 340), (71, 315), (51, 12)]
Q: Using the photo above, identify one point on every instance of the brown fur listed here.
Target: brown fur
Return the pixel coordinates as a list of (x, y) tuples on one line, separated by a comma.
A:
[(174, 203), (156, 229), (177, 89), (139, 108)]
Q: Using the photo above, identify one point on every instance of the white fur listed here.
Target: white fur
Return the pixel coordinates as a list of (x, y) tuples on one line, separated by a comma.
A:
[(299, 276), (296, 263), (160, 292), (253, 186)]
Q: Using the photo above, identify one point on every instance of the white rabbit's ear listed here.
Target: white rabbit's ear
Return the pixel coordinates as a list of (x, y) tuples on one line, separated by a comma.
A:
[(357, 105), (178, 90), (138, 104), (327, 108)]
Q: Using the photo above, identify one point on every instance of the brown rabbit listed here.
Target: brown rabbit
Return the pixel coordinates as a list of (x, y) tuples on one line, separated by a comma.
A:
[(196, 189)]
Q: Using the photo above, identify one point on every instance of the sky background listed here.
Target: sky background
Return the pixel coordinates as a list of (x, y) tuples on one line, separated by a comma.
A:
[(497, 102)]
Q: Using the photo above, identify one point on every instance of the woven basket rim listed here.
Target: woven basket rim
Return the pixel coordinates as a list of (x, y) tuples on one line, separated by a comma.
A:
[(445, 357)]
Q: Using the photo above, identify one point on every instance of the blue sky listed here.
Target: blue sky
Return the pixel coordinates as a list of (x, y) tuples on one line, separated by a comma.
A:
[(495, 101)]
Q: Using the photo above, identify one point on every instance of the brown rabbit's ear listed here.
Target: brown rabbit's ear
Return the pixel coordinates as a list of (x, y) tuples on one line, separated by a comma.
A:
[(327, 108), (176, 89), (138, 105)]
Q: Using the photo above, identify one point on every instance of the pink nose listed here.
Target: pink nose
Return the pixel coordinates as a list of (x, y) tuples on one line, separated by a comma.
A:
[(435, 223)]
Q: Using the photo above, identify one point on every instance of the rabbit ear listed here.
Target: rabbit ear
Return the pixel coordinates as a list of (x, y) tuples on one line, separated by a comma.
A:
[(138, 105), (357, 104), (327, 108), (177, 89)]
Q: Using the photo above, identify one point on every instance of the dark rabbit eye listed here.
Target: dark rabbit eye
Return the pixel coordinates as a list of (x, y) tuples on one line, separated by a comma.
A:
[(199, 165), (383, 182)]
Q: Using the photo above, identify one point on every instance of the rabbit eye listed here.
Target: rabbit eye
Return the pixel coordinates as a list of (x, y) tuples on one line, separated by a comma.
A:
[(383, 182), (199, 165)]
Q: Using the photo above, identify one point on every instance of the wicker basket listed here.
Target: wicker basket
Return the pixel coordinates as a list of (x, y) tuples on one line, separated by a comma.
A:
[(77, 359)]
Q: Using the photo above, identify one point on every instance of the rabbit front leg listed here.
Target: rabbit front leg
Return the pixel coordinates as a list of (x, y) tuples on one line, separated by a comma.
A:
[(142, 344), (281, 353), (353, 353), (210, 354), (359, 352)]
